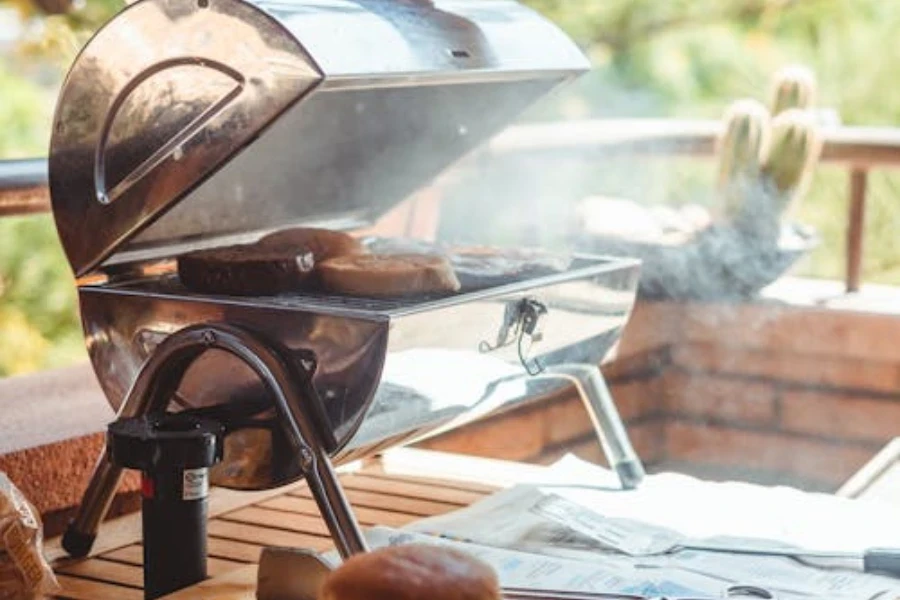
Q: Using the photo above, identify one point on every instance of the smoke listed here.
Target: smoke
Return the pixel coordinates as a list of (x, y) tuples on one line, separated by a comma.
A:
[(602, 199), (526, 185), (567, 195)]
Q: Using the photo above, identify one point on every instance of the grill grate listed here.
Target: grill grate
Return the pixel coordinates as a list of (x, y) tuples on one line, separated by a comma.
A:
[(169, 285), (347, 302)]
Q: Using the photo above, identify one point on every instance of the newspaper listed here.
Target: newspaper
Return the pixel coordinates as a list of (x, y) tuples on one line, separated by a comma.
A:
[(640, 532), (701, 509), (538, 572)]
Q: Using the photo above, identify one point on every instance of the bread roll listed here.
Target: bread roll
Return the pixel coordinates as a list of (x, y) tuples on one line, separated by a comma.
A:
[(245, 270), (324, 244), (412, 572), (388, 275)]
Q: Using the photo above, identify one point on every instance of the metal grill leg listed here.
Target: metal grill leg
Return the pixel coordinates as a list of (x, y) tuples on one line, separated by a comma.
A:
[(81, 532), (330, 498), (319, 473), (601, 407)]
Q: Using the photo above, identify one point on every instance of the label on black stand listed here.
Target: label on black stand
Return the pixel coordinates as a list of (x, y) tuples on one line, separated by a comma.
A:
[(195, 484)]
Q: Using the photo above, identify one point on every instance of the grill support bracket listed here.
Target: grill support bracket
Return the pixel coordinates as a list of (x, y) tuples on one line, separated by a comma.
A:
[(601, 408), (156, 384)]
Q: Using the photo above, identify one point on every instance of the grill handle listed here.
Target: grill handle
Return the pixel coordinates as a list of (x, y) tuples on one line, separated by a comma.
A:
[(598, 401), (157, 382)]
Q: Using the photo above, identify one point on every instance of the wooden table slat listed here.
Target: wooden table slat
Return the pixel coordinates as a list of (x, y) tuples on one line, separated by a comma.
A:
[(410, 490), (413, 506), (216, 567), (233, 550), (266, 536), (366, 516), (74, 588), (134, 555), (237, 585), (255, 515), (466, 486), (108, 571)]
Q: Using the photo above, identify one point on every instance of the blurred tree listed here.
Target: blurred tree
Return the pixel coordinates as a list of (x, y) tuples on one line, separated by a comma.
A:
[(690, 56), (39, 323), (81, 16), (56, 29)]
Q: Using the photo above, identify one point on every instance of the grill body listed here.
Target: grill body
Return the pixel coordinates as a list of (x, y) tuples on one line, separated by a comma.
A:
[(388, 372)]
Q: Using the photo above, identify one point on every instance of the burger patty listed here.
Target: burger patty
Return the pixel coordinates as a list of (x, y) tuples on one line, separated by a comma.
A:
[(245, 270)]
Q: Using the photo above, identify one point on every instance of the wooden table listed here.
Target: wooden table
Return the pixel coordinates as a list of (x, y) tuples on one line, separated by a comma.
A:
[(390, 491), (393, 490)]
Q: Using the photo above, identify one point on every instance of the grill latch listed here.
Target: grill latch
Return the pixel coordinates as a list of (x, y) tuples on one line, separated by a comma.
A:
[(522, 325)]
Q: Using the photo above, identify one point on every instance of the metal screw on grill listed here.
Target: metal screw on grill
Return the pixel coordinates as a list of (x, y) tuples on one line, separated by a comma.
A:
[(307, 361), (173, 453), (306, 459)]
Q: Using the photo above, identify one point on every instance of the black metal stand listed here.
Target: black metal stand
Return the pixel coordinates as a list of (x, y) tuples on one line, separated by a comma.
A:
[(173, 453), (158, 381)]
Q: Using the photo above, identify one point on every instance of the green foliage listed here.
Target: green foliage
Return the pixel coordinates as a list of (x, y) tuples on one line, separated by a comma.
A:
[(39, 325), (677, 58), (25, 116), (38, 318)]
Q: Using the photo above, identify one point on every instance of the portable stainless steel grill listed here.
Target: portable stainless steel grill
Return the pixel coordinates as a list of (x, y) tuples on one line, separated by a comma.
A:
[(188, 124)]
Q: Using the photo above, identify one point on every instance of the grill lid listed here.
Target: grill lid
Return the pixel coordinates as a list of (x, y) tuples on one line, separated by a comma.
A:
[(193, 123)]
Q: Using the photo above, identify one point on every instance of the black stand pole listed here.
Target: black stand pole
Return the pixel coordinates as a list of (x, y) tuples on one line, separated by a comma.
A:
[(174, 454)]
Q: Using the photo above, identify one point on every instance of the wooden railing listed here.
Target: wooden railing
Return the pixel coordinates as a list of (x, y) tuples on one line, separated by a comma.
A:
[(23, 187), (23, 184)]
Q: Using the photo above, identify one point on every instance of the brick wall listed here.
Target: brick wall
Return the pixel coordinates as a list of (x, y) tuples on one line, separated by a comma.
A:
[(764, 392), (795, 394)]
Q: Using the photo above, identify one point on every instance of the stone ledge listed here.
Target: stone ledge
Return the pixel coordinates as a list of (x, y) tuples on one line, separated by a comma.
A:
[(49, 407), (53, 476)]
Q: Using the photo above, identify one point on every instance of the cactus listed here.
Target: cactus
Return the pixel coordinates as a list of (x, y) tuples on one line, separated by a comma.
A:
[(741, 150), (794, 152), (743, 144), (793, 87)]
